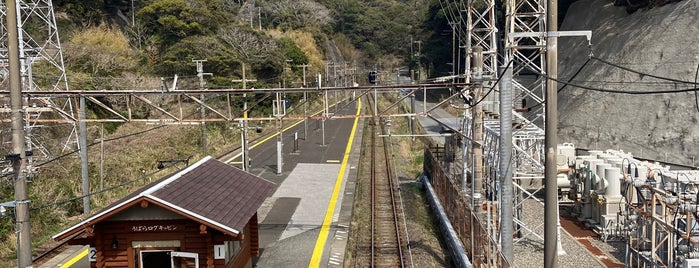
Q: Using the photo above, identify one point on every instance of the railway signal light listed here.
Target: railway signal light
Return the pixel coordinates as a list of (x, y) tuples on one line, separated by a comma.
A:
[(372, 77)]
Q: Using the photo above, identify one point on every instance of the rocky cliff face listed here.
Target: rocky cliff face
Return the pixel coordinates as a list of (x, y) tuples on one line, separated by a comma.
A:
[(662, 41)]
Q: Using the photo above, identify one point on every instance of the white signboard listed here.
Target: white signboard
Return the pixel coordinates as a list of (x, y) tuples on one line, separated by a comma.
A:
[(219, 252), (92, 254)]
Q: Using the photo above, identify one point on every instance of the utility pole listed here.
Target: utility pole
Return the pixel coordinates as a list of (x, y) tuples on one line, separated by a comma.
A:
[(18, 156), (335, 75), (259, 17), (244, 124), (412, 117), (305, 102), (477, 126), (325, 109), (304, 66), (133, 15), (201, 74), (102, 157), (454, 45), (279, 113), (417, 54), (82, 143), (327, 71), (505, 165), (245, 95), (551, 139)]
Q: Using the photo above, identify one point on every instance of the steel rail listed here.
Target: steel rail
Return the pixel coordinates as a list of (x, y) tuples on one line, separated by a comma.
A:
[(376, 242)]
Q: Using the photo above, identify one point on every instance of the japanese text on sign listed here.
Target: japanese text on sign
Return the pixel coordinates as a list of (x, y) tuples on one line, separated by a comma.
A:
[(154, 228)]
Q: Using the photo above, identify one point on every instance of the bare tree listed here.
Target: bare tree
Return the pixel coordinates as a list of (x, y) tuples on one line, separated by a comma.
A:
[(300, 13), (247, 44)]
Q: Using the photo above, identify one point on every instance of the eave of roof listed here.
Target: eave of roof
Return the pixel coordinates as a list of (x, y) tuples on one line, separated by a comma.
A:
[(149, 193)]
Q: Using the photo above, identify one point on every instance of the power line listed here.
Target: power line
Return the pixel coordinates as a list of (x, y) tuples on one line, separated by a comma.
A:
[(576, 73), (696, 93), (123, 137), (118, 185), (646, 83), (60, 202), (652, 92), (673, 82), (64, 201), (95, 143), (642, 73)]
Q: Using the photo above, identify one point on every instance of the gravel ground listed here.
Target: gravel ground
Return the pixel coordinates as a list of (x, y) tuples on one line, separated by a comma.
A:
[(529, 252), (427, 249)]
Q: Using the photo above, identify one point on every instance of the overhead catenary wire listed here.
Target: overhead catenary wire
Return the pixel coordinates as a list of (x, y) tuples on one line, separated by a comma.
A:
[(642, 73), (672, 80), (569, 80), (64, 201), (98, 142), (696, 92), (575, 74), (452, 18), (60, 202), (606, 90), (77, 198)]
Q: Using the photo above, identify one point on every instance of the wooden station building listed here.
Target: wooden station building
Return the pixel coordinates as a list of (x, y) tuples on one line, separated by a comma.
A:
[(202, 216)]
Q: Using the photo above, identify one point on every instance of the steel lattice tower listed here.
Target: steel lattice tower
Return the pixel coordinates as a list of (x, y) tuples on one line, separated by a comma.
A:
[(40, 45), (482, 32), (525, 45), (42, 66)]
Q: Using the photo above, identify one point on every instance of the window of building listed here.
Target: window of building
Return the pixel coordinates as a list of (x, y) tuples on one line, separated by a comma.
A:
[(233, 248)]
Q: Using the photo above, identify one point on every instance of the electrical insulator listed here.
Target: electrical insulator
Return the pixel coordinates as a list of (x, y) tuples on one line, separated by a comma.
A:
[(671, 200), (688, 208)]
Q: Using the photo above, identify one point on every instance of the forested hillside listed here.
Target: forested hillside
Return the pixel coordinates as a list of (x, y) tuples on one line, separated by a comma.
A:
[(129, 44), (163, 36), (121, 44)]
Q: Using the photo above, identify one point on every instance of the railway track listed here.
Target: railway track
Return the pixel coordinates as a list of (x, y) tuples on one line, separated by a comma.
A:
[(386, 244)]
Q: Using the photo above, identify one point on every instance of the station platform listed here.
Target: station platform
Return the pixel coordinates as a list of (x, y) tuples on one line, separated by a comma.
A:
[(306, 221)]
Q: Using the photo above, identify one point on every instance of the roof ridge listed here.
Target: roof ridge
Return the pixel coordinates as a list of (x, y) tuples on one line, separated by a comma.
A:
[(174, 177)]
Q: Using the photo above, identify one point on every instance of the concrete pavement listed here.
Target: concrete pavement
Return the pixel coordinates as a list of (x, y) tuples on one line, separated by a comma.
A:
[(292, 218)]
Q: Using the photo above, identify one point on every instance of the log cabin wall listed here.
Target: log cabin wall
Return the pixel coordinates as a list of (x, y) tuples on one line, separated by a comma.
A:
[(177, 218), (178, 235)]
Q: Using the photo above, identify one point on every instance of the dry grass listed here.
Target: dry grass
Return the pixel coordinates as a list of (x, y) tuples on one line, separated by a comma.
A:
[(127, 162), (56, 189), (305, 41), (344, 44), (8, 247)]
